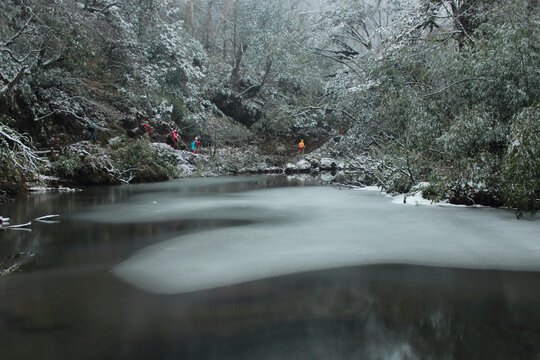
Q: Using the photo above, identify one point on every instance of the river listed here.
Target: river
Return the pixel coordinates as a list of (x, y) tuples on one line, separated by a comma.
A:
[(266, 267)]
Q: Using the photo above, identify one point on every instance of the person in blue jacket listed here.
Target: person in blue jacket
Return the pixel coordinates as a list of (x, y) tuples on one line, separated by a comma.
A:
[(195, 144)]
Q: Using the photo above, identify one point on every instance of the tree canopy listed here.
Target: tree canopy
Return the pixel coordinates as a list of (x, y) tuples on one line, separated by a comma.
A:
[(438, 91)]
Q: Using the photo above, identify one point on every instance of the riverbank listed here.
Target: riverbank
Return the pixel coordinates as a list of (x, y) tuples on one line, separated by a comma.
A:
[(124, 161)]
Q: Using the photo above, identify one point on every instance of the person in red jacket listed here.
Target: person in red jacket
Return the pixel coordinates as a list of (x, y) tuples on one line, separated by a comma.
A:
[(172, 139), (146, 129)]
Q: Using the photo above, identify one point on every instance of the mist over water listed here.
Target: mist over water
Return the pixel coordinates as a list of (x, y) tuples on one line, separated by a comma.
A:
[(266, 268)]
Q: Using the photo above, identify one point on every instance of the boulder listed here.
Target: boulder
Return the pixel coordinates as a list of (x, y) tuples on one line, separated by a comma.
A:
[(290, 168), (314, 162), (327, 164), (244, 111), (303, 166), (340, 177)]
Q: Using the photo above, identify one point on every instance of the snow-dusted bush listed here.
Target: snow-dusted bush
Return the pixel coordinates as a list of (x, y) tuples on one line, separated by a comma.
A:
[(12, 177), (472, 132), (137, 161), (467, 180), (18, 161), (128, 161)]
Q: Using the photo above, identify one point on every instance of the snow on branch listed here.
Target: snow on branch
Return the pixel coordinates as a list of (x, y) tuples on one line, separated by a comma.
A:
[(20, 151), (19, 33), (106, 8)]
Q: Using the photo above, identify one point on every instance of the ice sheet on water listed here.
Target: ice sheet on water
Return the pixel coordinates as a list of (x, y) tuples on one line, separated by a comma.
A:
[(177, 200), (326, 228)]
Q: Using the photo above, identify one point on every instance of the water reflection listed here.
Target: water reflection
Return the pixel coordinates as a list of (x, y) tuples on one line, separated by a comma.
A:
[(375, 312)]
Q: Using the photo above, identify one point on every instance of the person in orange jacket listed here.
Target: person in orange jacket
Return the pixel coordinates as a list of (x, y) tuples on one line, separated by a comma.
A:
[(301, 147)]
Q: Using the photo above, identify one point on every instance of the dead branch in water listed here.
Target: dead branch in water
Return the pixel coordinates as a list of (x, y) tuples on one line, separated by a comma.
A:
[(16, 226), (46, 217)]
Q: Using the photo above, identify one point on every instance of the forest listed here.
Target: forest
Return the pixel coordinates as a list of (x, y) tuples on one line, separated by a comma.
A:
[(438, 96)]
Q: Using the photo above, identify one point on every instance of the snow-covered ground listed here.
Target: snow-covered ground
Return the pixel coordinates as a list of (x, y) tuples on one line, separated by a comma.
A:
[(414, 198), (299, 229)]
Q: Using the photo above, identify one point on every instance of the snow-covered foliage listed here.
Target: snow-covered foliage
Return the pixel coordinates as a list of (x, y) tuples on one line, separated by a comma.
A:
[(521, 166), (126, 161), (432, 91), (18, 159), (439, 97)]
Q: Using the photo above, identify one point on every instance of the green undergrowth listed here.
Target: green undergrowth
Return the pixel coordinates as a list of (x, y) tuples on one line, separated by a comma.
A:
[(124, 162)]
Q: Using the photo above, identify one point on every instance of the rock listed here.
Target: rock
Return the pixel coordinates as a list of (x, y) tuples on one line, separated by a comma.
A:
[(290, 168), (273, 170), (244, 170), (261, 167), (244, 111), (327, 164), (340, 177), (314, 162), (303, 166)]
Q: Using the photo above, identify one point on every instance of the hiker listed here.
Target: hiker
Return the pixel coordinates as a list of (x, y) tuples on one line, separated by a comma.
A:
[(146, 129), (172, 138), (91, 127), (195, 144), (301, 147)]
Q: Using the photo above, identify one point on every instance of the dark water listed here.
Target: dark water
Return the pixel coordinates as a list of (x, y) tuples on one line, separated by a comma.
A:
[(67, 304)]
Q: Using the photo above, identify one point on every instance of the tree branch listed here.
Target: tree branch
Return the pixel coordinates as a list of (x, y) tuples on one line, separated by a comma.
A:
[(19, 33), (106, 8), (7, 88), (456, 19)]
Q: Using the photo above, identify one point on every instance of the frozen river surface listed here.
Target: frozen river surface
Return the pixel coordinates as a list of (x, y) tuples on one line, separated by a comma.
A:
[(266, 268), (299, 229)]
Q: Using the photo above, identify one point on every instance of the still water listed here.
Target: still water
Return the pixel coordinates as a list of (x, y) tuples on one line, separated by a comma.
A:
[(266, 268)]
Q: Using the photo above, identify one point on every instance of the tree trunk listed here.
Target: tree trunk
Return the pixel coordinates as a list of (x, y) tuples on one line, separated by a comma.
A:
[(254, 90), (189, 16), (225, 54), (235, 74), (235, 21), (208, 24)]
